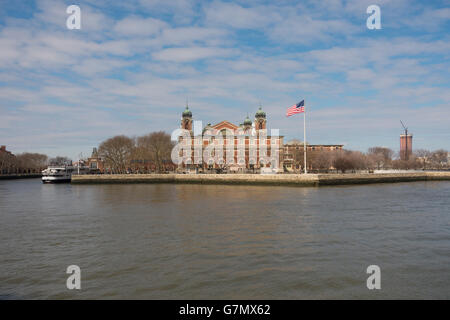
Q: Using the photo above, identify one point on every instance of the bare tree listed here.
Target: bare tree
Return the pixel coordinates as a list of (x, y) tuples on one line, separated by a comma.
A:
[(380, 156), (342, 162), (7, 162), (22, 163), (358, 160), (299, 158), (439, 158), (323, 160), (411, 163), (60, 161), (349, 160), (117, 153), (423, 156), (157, 147)]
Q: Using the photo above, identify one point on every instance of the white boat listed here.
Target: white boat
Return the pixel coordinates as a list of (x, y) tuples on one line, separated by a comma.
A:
[(54, 174)]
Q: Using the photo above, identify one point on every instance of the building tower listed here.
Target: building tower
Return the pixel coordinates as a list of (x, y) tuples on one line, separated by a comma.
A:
[(186, 119), (260, 119), (247, 124), (405, 144)]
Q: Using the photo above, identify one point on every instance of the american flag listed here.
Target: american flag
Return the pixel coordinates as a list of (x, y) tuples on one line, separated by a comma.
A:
[(296, 108)]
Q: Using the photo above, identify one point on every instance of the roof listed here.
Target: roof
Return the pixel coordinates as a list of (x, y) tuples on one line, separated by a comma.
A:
[(224, 125)]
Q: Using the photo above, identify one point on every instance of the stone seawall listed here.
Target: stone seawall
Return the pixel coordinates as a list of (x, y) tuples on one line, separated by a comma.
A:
[(257, 179), (365, 178)]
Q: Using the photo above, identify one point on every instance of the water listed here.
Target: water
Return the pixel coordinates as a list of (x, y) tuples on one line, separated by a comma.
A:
[(224, 242)]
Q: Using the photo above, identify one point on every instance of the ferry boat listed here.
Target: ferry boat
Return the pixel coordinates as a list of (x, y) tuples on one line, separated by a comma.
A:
[(54, 174)]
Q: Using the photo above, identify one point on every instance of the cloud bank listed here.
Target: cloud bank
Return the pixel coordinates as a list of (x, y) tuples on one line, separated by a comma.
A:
[(132, 65)]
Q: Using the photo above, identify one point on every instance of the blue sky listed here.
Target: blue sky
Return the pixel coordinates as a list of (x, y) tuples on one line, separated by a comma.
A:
[(132, 65)]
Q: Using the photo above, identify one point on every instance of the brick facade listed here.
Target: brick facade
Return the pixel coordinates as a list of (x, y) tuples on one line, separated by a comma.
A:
[(247, 137)]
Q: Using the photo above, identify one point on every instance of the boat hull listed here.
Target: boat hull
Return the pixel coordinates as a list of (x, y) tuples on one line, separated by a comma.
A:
[(55, 180)]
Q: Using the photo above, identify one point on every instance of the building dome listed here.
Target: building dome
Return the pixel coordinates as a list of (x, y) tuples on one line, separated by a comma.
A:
[(247, 121), (187, 112), (260, 113)]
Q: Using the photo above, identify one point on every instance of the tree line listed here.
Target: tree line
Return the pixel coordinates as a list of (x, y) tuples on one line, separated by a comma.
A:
[(22, 163), (120, 154), (152, 153), (29, 162), (143, 154), (376, 158)]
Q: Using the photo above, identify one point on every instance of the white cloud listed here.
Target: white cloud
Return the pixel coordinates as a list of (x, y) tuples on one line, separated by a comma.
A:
[(92, 67), (305, 29), (236, 16), (136, 26), (182, 11), (133, 74), (191, 54), (190, 35)]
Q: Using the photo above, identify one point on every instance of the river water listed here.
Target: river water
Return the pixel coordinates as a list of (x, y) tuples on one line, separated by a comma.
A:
[(169, 241)]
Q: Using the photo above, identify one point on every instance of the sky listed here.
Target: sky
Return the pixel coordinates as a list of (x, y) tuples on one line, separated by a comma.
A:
[(133, 64)]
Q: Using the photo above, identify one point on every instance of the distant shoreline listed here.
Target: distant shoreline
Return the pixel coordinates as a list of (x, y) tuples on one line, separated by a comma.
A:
[(20, 176), (308, 180)]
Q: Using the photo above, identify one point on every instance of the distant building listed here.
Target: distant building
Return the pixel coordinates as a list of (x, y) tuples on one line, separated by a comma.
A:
[(405, 146), (7, 160), (293, 153), (3, 151), (95, 162)]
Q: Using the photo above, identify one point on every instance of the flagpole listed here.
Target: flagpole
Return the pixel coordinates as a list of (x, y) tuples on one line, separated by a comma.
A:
[(304, 137)]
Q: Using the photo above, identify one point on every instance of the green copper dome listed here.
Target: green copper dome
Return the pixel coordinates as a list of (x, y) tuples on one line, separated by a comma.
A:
[(247, 121), (187, 112), (260, 113)]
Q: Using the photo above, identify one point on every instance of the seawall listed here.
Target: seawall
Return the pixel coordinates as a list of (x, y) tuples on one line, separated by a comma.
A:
[(248, 179), (257, 179)]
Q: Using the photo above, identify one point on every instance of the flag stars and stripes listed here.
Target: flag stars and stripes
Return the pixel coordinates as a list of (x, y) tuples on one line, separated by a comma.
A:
[(296, 108)]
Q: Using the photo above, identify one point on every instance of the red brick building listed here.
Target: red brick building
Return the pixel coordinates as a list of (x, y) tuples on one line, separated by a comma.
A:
[(293, 154), (244, 151), (405, 146), (95, 162), (3, 151)]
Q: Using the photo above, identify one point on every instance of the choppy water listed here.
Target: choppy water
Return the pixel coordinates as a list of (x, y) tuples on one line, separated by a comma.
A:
[(224, 242)]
